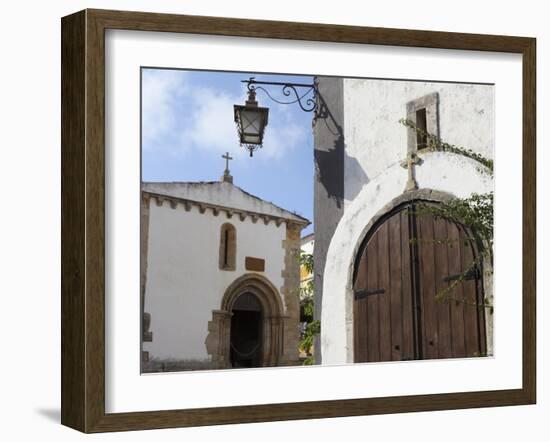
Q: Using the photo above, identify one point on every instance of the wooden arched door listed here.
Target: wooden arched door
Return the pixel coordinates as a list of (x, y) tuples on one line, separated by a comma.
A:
[(405, 261)]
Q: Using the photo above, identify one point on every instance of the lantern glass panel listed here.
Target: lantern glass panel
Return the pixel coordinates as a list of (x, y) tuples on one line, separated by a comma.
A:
[(251, 120)]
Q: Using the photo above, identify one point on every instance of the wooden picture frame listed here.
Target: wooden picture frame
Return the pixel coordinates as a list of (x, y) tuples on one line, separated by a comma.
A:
[(83, 220)]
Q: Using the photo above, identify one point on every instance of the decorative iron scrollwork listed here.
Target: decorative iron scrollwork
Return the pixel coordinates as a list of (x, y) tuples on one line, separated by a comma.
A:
[(305, 95)]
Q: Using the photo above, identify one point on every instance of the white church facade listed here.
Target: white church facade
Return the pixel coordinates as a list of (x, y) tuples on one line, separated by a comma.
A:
[(219, 278), (375, 290)]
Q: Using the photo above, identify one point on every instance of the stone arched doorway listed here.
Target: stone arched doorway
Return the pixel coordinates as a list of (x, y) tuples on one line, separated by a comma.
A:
[(404, 263), (250, 297)]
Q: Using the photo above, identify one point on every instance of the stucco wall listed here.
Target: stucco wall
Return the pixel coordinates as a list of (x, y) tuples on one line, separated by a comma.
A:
[(328, 132), (184, 283), (307, 246), (375, 145), (376, 140)]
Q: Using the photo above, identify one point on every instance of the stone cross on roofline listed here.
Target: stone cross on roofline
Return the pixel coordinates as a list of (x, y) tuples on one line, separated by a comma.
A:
[(227, 177), (409, 163)]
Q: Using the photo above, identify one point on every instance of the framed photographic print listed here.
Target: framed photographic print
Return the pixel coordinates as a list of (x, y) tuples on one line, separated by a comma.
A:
[(270, 220)]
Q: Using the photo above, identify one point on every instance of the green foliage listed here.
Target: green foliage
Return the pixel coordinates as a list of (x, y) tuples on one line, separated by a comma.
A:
[(306, 260), (437, 144), (312, 327), (306, 305), (305, 344), (476, 212)]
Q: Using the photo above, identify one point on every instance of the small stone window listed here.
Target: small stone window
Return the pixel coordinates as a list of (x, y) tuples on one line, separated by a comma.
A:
[(421, 134), (228, 247), (424, 113)]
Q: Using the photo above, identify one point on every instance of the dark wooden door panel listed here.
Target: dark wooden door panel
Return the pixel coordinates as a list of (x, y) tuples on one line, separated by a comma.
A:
[(458, 338), (405, 264), (360, 312), (382, 284), (372, 317), (384, 307), (428, 316), (441, 258), (408, 350), (473, 320), (395, 283)]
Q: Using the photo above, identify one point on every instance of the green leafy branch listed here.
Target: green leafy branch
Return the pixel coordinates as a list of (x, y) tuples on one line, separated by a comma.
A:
[(476, 212), (448, 294), (305, 344), (312, 327), (434, 143), (306, 261)]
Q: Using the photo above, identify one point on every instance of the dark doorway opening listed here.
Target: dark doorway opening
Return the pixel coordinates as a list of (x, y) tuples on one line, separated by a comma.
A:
[(246, 332)]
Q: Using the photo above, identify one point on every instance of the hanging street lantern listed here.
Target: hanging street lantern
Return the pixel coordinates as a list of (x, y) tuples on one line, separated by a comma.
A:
[(251, 121)]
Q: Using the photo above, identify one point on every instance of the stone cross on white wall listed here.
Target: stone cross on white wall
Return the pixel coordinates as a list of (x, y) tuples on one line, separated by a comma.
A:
[(409, 163), (428, 105)]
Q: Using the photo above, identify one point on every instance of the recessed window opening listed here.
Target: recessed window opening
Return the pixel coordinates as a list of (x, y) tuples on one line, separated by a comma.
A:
[(228, 247), (422, 129)]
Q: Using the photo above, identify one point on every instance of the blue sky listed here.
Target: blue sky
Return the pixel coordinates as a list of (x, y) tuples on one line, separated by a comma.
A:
[(187, 125)]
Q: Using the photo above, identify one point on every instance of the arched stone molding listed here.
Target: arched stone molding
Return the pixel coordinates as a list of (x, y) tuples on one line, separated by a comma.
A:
[(275, 322), (441, 176)]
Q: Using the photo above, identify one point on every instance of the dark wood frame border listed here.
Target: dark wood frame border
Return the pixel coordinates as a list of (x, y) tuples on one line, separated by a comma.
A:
[(83, 215)]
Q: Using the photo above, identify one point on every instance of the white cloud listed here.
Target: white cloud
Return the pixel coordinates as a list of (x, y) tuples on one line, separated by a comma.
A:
[(179, 117), (161, 91), (283, 135), (211, 121)]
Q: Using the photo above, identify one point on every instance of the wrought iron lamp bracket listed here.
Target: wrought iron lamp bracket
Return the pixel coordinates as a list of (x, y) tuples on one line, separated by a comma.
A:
[(304, 94)]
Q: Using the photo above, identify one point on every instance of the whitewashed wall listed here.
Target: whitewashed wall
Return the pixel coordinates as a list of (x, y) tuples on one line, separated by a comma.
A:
[(307, 246), (184, 283), (375, 145), (375, 140)]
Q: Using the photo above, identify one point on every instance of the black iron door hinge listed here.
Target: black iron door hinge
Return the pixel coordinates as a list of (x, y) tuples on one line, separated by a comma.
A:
[(363, 293), (468, 276)]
